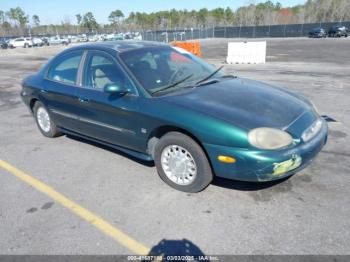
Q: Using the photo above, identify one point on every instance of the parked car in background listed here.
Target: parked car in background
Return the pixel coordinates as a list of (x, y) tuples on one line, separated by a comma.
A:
[(45, 40), (21, 42), (119, 36), (93, 38), (82, 38), (137, 36), (109, 37), (115, 37), (338, 31), (128, 36), (102, 37), (317, 32), (58, 40), (73, 39), (37, 41), (163, 104), (65, 39), (3, 44), (133, 35)]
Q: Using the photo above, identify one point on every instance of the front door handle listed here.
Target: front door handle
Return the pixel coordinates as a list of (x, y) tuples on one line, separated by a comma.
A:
[(83, 100)]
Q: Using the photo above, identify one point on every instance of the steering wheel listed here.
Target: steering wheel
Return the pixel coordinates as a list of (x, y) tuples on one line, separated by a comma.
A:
[(178, 73)]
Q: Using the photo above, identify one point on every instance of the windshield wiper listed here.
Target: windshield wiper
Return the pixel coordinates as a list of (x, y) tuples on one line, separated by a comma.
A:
[(172, 85), (209, 76), (214, 80), (207, 82), (229, 76)]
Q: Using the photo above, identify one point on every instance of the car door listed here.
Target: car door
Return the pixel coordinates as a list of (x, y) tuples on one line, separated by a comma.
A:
[(59, 92), (54, 40), (19, 42), (108, 117)]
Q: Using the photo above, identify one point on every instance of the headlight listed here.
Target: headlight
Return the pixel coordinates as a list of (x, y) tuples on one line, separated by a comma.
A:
[(269, 138)]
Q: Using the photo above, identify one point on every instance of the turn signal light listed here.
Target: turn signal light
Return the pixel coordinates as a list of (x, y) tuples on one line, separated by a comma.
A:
[(227, 159)]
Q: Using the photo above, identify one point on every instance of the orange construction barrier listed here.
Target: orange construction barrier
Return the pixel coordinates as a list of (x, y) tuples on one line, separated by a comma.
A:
[(193, 47)]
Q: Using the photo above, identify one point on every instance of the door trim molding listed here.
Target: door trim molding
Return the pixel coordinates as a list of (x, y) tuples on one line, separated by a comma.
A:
[(90, 121)]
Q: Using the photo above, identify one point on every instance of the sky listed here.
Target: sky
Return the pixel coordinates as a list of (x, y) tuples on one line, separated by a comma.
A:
[(55, 11)]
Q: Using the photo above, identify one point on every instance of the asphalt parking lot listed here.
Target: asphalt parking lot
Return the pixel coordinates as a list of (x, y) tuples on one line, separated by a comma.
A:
[(306, 214)]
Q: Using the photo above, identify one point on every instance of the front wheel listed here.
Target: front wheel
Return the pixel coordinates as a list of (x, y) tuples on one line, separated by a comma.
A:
[(46, 126), (182, 163)]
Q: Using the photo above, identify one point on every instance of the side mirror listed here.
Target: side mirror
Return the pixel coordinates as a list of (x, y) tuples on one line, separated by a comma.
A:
[(114, 89)]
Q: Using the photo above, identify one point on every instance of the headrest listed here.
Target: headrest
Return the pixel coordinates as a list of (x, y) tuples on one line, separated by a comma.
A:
[(99, 73), (143, 65)]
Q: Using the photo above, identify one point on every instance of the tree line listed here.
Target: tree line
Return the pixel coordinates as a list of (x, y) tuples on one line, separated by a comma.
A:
[(16, 21), (266, 13)]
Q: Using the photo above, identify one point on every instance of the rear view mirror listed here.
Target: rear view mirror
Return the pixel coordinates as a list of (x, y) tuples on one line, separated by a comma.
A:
[(114, 89)]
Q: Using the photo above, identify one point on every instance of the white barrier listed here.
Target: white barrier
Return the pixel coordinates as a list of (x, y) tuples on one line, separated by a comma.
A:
[(246, 53)]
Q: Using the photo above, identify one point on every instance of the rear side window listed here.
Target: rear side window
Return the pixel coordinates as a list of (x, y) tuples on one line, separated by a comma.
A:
[(65, 69)]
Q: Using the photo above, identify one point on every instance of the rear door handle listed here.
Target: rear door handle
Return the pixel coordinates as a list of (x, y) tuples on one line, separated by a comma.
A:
[(83, 100), (43, 91)]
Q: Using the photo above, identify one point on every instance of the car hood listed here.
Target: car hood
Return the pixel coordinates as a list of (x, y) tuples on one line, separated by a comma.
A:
[(244, 103)]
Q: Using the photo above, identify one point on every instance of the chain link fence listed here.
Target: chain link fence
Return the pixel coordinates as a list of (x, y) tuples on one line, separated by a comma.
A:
[(290, 30)]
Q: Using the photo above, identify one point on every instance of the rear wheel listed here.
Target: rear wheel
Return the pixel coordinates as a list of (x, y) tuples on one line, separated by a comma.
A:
[(182, 163), (26, 45), (46, 126)]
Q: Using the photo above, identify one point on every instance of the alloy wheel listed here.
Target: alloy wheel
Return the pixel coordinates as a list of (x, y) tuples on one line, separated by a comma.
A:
[(178, 165), (43, 119)]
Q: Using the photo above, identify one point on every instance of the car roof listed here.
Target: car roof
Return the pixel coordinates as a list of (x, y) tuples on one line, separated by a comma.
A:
[(122, 45)]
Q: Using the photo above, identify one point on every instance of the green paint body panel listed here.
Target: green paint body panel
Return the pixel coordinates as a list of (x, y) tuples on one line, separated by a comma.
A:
[(258, 165), (219, 117)]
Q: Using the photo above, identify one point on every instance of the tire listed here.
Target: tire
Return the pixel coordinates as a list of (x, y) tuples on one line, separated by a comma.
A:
[(25, 45), (193, 158), (39, 112)]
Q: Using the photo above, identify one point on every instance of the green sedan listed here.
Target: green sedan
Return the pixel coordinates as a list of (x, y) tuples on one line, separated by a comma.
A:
[(162, 104)]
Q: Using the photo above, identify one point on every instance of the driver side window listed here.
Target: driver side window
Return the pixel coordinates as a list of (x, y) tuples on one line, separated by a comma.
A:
[(102, 70)]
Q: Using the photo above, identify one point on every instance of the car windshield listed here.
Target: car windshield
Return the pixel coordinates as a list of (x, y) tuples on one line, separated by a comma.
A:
[(166, 69)]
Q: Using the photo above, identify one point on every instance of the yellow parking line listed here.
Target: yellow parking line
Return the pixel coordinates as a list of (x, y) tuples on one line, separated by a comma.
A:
[(80, 211)]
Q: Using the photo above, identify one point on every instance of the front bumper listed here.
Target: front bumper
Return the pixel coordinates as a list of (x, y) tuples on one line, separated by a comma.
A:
[(266, 165)]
